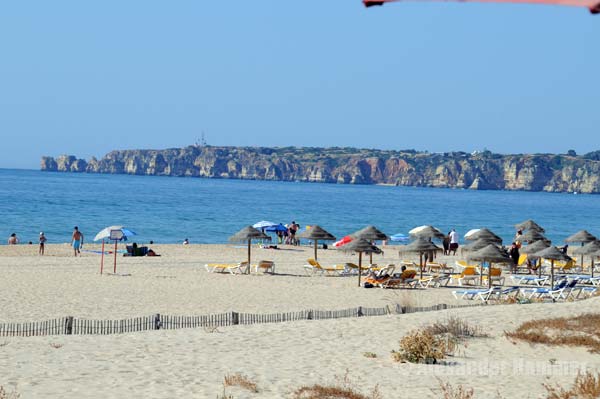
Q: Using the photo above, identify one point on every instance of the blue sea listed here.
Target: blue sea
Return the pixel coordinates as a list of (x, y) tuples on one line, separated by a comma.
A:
[(169, 209)]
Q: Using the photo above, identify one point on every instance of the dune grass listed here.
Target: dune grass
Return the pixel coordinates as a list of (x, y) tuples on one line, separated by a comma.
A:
[(579, 331)]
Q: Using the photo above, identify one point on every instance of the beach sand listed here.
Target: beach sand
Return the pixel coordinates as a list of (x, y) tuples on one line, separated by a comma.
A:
[(278, 357)]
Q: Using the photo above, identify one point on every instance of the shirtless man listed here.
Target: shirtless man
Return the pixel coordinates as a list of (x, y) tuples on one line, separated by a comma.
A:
[(77, 241), (13, 240)]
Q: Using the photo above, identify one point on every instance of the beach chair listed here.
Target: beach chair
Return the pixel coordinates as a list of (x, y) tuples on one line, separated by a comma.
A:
[(313, 267), (231, 268), (497, 276), (405, 279), (526, 279), (585, 292), (436, 280), (468, 275), (566, 267), (554, 292), (352, 268), (482, 294), (265, 266), (435, 267)]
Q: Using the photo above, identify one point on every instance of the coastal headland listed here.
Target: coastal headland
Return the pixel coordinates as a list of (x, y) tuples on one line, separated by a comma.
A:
[(477, 171)]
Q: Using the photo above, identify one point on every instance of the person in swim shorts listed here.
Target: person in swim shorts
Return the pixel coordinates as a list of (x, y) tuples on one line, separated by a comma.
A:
[(77, 241)]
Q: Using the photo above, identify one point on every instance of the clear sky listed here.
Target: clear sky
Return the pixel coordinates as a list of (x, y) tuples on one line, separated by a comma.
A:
[(84, 78)]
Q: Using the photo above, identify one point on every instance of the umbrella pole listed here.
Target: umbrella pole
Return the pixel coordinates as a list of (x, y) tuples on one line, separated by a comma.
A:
[(592, 266), (552, 274), (359, 267), (370, 258), (249, 249), (316, 243), (539, 260), (490, 276), (115, 265), (102, 258)]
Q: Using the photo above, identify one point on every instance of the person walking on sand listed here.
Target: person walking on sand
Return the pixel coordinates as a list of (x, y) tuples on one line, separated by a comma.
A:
[(453, 242), (13, 240), (42, 242), (77, 241)]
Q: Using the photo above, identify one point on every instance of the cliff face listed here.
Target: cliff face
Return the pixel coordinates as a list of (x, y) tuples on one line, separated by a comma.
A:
[(482, 171)]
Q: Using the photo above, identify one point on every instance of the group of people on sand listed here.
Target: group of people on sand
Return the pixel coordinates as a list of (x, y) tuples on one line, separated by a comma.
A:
[(76, 241), (450, 242)]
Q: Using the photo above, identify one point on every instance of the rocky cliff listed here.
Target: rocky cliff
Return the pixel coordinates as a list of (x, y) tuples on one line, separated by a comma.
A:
[(479, 171)]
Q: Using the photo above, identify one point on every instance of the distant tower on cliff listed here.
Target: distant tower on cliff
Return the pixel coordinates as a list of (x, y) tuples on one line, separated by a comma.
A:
[(202, 141)]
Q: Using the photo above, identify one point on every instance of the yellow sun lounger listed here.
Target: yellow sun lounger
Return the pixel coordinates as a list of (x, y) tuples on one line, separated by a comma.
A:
[(238, 268), (314, 267)]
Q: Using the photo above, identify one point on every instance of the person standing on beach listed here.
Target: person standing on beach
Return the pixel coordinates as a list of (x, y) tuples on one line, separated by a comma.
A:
[(292, 230), (42, 242), (13, 240), (453, 242), (77, 241)]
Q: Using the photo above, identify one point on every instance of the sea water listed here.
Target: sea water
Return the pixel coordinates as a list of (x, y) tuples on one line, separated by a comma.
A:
[(170, 209)]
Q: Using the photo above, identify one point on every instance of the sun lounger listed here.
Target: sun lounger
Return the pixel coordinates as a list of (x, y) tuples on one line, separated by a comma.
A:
[(313, 267), (435, 267), (584, 292), (496, 276), (238, 268), (468, 275), (554, 292), (405, 279), (265, 266), (435, 281), (482, 294), (525, 279)]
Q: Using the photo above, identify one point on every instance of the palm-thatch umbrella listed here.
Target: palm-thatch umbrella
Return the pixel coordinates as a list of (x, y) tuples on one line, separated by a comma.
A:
[(370, 233), (592, 249), (420, 246), (552, 254), (248, 234), (361, 246), (532, 236), (478, 244), (582, 236), (529, 225), (491, 254), (316, 233), (429, 232), (531, 249), (485, 234)]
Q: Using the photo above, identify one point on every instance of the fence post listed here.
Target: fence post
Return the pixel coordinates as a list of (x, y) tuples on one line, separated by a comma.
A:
[(157, 322), (444, 306), (359, 311), (69, 325), (235, 318), (310, 315)]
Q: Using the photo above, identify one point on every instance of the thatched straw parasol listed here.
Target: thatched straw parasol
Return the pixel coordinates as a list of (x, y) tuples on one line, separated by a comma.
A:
[(530, 225), (552, 254), (491, 254), (531, 249), (427, 232), (582, 236), (361, 246), (316, 233), (591, 249), (478, 244), (248, 234), (420, 246), (532, 236), (370, 233), (484, 234)]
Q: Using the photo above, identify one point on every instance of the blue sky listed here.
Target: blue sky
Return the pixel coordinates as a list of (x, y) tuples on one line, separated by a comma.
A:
[(87, 77)]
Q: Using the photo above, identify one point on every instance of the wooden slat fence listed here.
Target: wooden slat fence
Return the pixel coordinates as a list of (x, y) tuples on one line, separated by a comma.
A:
[(72, 326)]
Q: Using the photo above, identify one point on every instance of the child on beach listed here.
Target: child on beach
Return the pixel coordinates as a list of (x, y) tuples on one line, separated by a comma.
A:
[(42, 242)]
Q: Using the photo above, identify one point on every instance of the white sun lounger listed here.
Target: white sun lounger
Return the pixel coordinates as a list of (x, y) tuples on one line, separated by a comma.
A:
[(529, 279), (231, 268)]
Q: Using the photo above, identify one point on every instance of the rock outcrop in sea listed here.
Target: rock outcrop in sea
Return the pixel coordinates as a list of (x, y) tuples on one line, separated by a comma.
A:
[(478, 171)]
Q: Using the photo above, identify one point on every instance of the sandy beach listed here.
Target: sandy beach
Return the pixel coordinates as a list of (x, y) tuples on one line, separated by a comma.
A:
[(278, 357)]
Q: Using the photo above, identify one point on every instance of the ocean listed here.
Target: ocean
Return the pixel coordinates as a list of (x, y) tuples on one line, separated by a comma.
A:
[(170, 209)]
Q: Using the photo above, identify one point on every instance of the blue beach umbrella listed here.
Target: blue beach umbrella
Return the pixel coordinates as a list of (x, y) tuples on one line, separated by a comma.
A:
[(263, 224), (276, 228), (113, 233)]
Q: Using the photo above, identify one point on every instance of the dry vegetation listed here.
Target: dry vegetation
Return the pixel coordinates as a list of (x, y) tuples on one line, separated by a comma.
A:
[(457, 327), (239, 380), (344, 388), (586, 386), (422, 347), (460, 392), (4, 394), (436, 341), (582, 330)]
